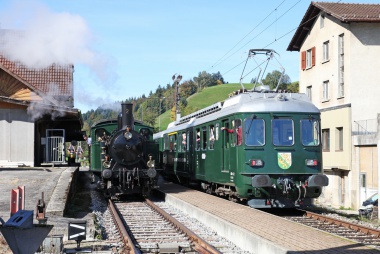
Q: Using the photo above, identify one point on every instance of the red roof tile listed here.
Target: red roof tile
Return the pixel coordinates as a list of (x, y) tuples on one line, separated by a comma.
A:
[(54, 80), (345, 12), (349, 12)]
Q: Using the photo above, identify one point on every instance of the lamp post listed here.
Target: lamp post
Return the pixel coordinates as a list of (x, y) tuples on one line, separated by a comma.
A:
[(176, 81), (159, 115)]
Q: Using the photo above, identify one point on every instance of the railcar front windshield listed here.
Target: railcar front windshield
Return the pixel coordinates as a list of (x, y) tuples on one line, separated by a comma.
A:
[(254, 132), (310, 132), (283, 132)]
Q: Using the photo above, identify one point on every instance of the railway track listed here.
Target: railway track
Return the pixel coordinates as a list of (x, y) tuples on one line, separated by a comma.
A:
[(146, 228), (361, 234)]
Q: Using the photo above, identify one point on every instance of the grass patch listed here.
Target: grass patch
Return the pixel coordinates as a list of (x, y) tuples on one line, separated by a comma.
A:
[(204, 98)]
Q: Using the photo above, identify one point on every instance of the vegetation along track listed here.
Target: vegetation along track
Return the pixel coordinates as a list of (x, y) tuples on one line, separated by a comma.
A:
[(361, 234), (146, 228)]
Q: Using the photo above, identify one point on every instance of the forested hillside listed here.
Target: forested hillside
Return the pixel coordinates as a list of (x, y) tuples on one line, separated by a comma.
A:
[(158, 108)]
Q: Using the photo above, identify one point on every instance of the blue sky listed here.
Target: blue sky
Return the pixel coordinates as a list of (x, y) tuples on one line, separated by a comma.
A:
[(124, 48)]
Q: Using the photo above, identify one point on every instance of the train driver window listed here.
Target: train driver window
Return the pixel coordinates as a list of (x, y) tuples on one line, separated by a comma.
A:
[(282, 132), (310, 132), (99, 133), (211, 137), (254, 132)]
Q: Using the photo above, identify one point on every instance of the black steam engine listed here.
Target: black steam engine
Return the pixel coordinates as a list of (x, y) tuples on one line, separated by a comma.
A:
[(123, 155)]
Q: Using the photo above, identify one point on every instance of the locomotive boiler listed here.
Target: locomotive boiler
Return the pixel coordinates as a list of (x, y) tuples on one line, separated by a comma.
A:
[(123, 155)]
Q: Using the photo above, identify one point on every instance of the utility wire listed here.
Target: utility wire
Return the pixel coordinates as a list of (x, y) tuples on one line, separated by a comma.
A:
[(221, 59), (276, 40)]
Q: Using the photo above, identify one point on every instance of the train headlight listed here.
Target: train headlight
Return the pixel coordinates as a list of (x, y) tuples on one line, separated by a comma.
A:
[(256, 163), (311, 162), (128, 135)]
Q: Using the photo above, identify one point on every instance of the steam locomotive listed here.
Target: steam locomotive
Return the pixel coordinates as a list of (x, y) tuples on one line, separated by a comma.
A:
[(122, 155)]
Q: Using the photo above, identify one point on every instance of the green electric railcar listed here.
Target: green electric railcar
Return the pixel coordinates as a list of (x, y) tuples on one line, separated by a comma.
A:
[(123, 155), (259, 147)]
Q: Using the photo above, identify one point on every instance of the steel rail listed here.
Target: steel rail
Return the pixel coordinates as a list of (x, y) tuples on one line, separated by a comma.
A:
[(200, 245), (130, 248), (359, 228)]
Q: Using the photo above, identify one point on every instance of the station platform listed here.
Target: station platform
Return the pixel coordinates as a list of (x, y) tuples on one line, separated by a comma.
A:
[(254, 230), (57, 185)]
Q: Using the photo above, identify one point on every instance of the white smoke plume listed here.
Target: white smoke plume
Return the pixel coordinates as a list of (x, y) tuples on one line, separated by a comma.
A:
[(45, 37), (32, 34)]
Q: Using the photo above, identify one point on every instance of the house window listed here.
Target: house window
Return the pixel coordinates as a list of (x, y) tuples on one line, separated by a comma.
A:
[(308, 92), (339, 139), (326, 51), (325, 90), (322, 21), (308, 58), (326, 140), (341, 66)]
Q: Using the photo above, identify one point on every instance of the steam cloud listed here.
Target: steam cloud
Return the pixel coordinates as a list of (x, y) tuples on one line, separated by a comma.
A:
[(38, 37)]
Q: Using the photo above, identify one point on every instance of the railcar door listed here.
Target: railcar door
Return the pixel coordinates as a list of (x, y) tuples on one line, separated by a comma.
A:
[(226, 151)]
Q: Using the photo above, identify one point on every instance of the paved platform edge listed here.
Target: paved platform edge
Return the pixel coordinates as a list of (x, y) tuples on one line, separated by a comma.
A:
[(62, 192), (241, 237)]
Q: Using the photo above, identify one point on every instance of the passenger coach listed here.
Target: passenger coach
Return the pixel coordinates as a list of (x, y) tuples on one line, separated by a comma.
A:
[(262, 148)]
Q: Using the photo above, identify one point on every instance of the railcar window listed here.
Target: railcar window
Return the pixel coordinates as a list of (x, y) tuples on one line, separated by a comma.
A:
[(217, 131), (183, 141), (282, 132), (166, 142), (310, 132), (173, 142), (211, 137), (198, 139), (254, 132), (204, 138), (238, 132)]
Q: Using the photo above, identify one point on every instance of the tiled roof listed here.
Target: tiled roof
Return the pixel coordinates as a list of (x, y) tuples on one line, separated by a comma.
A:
[(60, 78), (345, 12)]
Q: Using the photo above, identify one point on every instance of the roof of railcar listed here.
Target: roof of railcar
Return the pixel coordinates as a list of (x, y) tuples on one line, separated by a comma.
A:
[(247, 102)]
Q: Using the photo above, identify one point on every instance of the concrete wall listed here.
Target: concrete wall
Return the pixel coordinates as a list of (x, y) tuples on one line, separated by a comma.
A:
[(17, 138)]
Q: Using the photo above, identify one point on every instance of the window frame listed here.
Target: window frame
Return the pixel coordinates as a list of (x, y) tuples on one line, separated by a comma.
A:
[(339, 139), (326, 51), (280, 133), (325, 90), (325, 140)]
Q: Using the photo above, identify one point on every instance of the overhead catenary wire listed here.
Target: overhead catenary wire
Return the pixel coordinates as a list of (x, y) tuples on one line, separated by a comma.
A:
[(274, 41), (220, 59), (260, 33)]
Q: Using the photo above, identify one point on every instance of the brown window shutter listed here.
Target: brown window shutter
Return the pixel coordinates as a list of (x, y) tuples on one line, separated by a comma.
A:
[(303, 60), (313, 56)]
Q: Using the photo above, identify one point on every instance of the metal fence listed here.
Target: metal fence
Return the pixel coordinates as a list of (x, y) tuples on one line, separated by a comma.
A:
[(364, 127)]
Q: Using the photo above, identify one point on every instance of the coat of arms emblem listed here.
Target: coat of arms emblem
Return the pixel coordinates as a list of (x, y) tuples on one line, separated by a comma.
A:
[(284, 160)]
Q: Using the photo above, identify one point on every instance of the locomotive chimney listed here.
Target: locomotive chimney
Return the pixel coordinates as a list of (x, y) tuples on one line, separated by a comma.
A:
[(127, 116)]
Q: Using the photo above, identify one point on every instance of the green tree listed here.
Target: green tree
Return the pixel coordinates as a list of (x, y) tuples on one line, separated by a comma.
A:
[(293, 87), (272, 79)]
